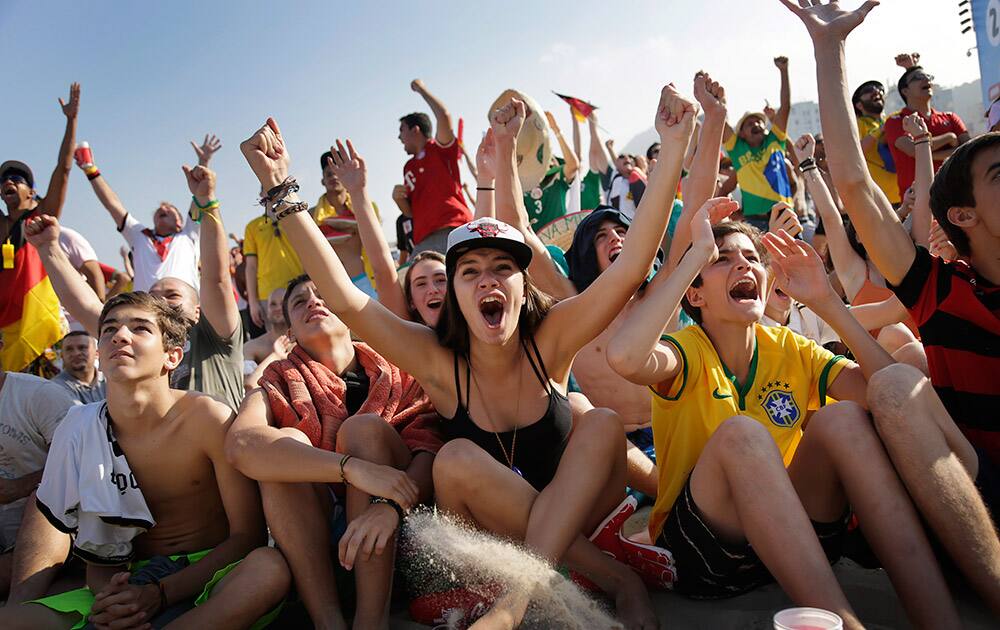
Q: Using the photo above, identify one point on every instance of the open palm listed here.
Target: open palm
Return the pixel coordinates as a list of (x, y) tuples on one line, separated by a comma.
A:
[(798, 269), (348, 166), (829, 21)]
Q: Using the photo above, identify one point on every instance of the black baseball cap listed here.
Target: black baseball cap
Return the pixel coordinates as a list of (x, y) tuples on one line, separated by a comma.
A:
[(864, 86), (20, 168)]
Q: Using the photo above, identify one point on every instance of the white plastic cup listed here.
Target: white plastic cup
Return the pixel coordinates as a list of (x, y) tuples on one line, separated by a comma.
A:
[(807, 619)]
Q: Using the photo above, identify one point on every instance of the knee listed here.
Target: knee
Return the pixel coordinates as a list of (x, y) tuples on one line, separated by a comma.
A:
[(891, 390), (913, 354), (455, 462), (894, 337), (269, 570), (602, 427), (840, 424), (362, 430), (742, 437)]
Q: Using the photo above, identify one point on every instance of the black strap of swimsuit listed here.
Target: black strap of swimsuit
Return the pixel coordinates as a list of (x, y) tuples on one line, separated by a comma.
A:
[(543, 376), (468, 383)]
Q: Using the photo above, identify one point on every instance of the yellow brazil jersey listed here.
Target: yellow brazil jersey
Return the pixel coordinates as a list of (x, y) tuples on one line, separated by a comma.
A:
[(788, 376), (886, 179), (761, 172), (277, 262)]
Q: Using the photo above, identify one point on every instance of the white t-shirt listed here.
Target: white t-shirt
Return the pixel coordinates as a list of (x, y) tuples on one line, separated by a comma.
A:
[(181, 260), (30, 410), (79, 251), (621, 190), (804, 321)]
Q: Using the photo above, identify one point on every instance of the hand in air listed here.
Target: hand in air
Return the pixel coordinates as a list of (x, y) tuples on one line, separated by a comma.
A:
[(829, 22), (369, 534), (201, 182), (783, 218), (798, 269), (417, 86), (507, 119), (906, 207), (915, 125), (382, 481), (940, 245), (770, 112), (486, 157), (208, 147), (908, 60), (805, 146), (710, 213), (675, 116), (266, 154), (41, 230), (72, 108), (709, 94), (349, 167), (781, 63), (553, 125), (399, 193), (282, 346)]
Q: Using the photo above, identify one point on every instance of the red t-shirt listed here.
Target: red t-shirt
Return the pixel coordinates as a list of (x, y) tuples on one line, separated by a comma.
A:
[(938, 123), (434, 187)]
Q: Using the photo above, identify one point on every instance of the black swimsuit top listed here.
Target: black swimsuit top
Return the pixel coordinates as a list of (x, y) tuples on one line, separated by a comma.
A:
[(539, 445)]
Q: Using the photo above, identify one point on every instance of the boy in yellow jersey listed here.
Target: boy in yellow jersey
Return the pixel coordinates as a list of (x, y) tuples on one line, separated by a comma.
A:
[(745, 495)]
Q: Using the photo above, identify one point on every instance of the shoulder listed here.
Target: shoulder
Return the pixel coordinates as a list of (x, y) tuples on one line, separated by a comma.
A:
[(202, 412)]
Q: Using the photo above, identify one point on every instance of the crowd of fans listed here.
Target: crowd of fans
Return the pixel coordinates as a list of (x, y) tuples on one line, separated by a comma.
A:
[(787, 349)]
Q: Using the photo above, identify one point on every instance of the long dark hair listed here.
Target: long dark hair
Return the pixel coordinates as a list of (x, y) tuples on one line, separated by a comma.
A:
[(453, 331), (407, 290)]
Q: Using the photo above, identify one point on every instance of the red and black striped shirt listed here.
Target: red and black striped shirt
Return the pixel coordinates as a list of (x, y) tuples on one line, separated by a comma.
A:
[(958, 314)]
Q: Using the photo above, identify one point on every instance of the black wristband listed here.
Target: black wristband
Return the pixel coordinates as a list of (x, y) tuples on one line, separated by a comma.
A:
[(485, 188), (343, 475), (390, 503), (806, 163)]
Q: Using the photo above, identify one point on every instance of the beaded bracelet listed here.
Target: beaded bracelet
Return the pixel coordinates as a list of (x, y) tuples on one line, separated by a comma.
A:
[(390, 503), (289, 208)]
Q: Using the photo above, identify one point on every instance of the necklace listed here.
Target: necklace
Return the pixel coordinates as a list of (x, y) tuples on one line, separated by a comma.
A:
[(489, 416)]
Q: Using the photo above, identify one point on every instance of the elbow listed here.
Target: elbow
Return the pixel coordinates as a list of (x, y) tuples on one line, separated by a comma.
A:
[(235, 450), (622, 361)]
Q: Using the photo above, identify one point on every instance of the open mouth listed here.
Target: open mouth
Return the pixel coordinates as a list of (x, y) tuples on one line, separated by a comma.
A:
[(435, 304), (614, 253), (316, 315), (491, 308), (8, 190), (744, 290)]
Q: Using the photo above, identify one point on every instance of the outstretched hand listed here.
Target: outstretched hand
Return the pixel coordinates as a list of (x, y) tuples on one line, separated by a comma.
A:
[(675, 116), (506, 120), (805, 146), (266, 154), (486, 157), (709, 94), (201, 181), (349, 167), (712, 212), (72, 108), (41, 230), (553, 125), (798, 269), (915, 125), (207, 149), (829, 22), (908, 60)]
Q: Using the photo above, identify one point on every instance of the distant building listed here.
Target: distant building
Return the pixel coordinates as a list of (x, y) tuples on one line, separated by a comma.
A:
[(803, 118)]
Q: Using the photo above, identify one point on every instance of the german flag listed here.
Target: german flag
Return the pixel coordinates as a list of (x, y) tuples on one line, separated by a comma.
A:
[(581, 108), (29, 309)]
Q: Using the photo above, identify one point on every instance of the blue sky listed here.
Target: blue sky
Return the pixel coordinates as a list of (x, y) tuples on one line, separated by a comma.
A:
[(158, 74)]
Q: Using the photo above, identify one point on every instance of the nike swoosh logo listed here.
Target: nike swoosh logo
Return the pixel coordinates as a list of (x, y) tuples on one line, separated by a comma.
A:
[(719, 396)]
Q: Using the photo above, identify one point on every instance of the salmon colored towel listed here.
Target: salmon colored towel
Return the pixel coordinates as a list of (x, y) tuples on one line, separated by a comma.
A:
[(305, 395)]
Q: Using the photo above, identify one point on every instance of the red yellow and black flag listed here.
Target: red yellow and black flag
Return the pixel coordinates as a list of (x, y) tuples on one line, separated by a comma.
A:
[(29, 309), (581, 108)]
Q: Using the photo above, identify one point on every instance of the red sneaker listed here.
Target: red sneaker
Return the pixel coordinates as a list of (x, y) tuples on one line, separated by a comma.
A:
[(655, 565), (459, 607), (606, 536)]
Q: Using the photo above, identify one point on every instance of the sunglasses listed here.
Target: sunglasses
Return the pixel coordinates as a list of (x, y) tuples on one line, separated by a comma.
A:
[(872, 90), (15, 178), (920, 76)]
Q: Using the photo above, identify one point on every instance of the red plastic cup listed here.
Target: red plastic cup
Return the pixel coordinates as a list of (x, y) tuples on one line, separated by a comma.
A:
[(83, 155)]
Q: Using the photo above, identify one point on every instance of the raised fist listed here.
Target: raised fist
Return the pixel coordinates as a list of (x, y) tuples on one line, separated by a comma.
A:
[(675, 116), (781, 63), (709, 94), (915, 125), (266, 154), (506, 120)]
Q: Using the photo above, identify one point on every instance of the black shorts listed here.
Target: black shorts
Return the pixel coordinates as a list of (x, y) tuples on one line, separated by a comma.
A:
[(711, 568)]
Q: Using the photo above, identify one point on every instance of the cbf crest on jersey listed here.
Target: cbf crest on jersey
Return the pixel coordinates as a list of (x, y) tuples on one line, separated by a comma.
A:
[(781, 408)]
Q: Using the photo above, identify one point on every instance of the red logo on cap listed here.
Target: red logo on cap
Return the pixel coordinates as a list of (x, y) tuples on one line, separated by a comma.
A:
[(485, 229)]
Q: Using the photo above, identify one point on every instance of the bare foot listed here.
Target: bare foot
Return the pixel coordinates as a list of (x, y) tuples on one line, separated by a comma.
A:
[(633, 606)]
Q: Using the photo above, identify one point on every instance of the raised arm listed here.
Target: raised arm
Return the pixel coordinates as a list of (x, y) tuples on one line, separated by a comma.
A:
[(920, 228), (501, 139), (785, 106), (216, 291), (73, 292), (577, 140), (103, 190), (91, 270), (412, 347), (799, 272), (354, 175), (55, 196), (445, 134), (598, 155), (889, 246), (572, 164), (851, 268), (700, 184), (577, 320), (486, 168), (635, 352), (206, 149)]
